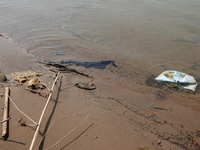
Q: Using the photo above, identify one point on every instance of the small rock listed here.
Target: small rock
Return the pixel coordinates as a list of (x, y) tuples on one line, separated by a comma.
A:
[(95, 137), (159, 142), (1, 95), (2, 77), (86, 86)]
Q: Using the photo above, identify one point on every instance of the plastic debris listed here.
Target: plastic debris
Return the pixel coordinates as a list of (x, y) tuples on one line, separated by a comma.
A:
[(30, 78), (58, 53), (177, 79), (86, 86), (155, 112)]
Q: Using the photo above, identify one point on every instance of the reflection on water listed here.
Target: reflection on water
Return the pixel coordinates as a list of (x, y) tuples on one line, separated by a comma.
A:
[(140, 35)]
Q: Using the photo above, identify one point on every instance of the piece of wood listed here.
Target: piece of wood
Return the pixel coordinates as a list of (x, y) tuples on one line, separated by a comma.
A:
[(5, 114), (40, 120)]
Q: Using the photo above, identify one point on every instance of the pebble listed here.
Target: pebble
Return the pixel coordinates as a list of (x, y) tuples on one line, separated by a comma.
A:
[(95, 137), (2, 77), (159, 142)]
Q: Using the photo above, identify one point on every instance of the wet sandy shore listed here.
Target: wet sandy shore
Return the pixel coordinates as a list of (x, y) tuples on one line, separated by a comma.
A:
[(120, 115)]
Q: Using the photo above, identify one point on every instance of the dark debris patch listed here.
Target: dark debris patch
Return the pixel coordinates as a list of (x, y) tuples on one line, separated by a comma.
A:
[(150, 81), (96, 65)]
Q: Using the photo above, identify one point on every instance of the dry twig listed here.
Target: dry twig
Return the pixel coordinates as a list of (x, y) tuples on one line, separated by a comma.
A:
[(40, 120), (44, 135)]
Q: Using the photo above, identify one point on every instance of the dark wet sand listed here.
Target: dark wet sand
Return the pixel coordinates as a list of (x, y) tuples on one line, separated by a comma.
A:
[(121, 115)]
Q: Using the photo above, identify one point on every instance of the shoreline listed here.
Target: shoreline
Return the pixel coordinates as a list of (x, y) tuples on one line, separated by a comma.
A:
[(120, 117)]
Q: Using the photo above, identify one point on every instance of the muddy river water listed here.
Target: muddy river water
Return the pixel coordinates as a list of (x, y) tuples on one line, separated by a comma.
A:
[(119, 46), (142, 37)]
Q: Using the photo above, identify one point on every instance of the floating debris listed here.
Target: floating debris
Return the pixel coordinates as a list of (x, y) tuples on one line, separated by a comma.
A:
[(96, 65), (56, 67), (175, 79), (86, 86)]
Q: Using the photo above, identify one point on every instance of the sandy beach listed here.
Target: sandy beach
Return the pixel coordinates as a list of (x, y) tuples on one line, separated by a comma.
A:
[(111, 117)]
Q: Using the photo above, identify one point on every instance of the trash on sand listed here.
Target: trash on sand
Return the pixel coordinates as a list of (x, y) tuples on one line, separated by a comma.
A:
[(175, 79), (24, 76), (2, 77), (86, 86), (30, 78), (35, 83), (160, 108), (155, 112), (58, 53), (23, 123)]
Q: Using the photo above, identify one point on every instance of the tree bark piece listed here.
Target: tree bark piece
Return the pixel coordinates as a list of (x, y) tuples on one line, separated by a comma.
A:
[(6, 114)]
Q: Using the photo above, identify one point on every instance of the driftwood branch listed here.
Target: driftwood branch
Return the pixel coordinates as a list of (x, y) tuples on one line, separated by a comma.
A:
[(41, 117), (5, 114)]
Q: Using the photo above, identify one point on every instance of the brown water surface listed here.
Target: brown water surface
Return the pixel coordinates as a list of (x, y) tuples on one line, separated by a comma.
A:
[(128, 109), (143, 37)]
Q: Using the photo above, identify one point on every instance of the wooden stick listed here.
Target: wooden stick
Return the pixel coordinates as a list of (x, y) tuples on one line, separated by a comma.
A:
[(44, 136), (5, 114), (40, 120)]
